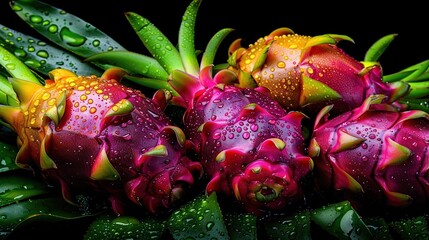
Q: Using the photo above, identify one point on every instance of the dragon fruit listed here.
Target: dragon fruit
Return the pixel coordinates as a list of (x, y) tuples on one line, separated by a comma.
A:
[(250, 148), (373, 155), (307, 73), (97, 137)]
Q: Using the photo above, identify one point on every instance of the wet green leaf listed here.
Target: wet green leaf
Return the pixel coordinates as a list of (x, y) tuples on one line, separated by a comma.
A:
[(15, 67), (7, 157), (109, 227), (241, 226), (19, 185), (51, 209), (296, 226), (411, 229), (378, 48), (133, 63), (341, 221), (199, 219), (64, 29), (212, 47), (41, 56), (418, 104), (378, 227), (186, 39), (156, 42)]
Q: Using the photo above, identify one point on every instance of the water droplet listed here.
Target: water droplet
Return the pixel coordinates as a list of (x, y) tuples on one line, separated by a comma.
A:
[(10, 66), (20, 53), (71, 38), (96, 43), (43, 54), (127, 136), (217, 135), (246, 135), (209, 226), (36, 19), (53, 28)]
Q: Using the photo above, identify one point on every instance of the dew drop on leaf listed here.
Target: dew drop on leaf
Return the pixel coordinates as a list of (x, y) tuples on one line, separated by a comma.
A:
[(71, 38), (36, 19), (53, 28)]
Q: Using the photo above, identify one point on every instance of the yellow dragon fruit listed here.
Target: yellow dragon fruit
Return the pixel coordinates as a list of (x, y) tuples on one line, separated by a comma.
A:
[(307, 73), (95, 136)]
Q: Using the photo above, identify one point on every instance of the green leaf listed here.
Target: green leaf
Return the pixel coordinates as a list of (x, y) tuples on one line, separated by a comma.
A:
[(212, 47), (417, 104), (156, 42), (152, 83), (50, 209), (423, 68), (411, 229), (296, 226), (133, 63), (15, 67), (186, 40), (64, 29), (20, 185), (241, 225), (42, 57), (199, 219), (7, 157), (378, 227), (341, 221), (109, 227), (378, 48)]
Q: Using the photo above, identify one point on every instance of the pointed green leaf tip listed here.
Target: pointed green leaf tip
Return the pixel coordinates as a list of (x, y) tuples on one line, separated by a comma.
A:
[(212, 47), (187, 38), (378, 48), (156, 43)]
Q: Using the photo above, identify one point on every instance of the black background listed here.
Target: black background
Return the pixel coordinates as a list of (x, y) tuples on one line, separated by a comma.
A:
[(364, 21)]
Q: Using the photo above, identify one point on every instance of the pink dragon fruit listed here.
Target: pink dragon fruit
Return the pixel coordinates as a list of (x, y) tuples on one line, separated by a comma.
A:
[(373, 155), (95, 136), (250, 148), (307, 73)]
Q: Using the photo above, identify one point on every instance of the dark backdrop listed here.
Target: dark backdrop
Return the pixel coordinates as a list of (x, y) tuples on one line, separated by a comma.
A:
[(364, 21)]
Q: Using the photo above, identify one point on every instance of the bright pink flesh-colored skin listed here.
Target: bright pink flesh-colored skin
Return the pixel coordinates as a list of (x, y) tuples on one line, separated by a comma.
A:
[(250, 148), (96, 136), (374, 155), (307, 73)]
